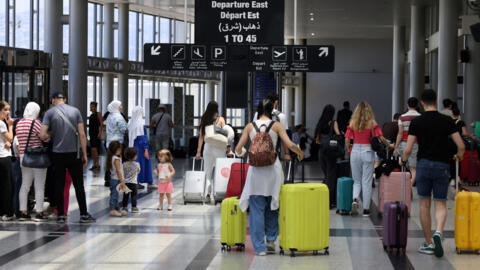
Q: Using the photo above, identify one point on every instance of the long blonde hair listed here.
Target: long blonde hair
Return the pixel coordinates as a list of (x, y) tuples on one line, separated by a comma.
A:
[(362, 117)]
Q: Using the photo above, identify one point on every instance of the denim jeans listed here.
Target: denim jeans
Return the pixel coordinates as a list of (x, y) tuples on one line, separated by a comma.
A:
[(114, 194), (362, 161), (432, 177), (263, 222)]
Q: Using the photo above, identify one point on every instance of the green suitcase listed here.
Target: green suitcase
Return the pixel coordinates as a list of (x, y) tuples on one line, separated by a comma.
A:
[(234, 225)]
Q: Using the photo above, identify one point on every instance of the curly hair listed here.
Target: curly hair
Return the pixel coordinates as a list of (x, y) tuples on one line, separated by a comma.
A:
[(362, 117)]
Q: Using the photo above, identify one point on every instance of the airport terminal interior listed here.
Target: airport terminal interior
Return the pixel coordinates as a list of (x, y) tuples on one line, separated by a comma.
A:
[(177, 56)]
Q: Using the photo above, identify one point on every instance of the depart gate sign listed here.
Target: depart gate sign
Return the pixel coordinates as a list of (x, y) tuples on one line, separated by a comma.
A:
[(272, 58)]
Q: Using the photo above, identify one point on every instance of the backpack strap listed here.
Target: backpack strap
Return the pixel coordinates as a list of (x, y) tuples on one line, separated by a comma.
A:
[(270, 126), (257, 129)]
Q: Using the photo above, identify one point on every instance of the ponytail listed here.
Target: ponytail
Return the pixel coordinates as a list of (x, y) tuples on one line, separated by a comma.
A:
[(265, 107)]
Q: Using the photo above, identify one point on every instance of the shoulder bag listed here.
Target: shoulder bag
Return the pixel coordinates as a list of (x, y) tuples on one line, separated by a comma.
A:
[(377, 145), (216, 136), (331, 144), (37, 157)]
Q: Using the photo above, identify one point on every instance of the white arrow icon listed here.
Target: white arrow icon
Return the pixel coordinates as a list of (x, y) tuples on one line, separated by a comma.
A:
[(323, 51), (155, 51)]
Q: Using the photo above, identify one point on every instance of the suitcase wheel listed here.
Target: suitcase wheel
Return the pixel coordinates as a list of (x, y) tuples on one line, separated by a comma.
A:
[(223, 248), (229, 248), (458, 251), (326, 251), (292, 253), (315, 252), (282, 252)]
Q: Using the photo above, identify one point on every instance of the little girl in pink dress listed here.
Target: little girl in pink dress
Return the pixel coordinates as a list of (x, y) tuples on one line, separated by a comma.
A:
[(165, 172)]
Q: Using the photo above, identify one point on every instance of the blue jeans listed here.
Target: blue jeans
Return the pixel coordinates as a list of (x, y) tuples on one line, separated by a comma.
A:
[(432, 177), (263, 221), (17, 182), (114, 194), (362, 161)]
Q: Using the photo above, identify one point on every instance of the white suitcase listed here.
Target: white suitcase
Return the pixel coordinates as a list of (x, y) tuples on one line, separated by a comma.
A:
[(221, 176), (194, 185)]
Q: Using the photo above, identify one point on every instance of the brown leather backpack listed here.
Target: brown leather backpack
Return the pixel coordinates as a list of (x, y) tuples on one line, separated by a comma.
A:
[(261, 152)]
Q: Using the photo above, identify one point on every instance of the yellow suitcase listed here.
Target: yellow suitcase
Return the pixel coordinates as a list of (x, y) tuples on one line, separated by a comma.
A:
[(234, 225), (467, 222), (304, 218)]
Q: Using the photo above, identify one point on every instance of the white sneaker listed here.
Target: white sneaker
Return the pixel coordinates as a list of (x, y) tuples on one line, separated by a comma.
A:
[(263, 253), (115, 213), (354, 208), (452, 183), (271, 246)]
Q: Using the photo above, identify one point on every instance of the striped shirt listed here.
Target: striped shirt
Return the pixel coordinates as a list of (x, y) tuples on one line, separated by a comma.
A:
[(23, 128), (405, 120)]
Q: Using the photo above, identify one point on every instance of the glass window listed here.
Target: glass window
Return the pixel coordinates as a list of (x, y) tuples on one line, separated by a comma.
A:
[(90, 91), (91, 26), (192, 33), (115, 88), (148, 29), (65, 38), (115, 43), (164, 92), (66, 7), (132, 34), (22, 24), (2, 24), (131, 95), (164, 30), (39, 30), (179, 32)]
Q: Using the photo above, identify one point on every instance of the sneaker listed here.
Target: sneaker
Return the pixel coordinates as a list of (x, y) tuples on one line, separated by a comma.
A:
[(124, 209), (170, 208), (426, 249), (123, 212), (438, 248), (366, 213), (135, 210), (115, 213), (87, 219), (52, 216), (7, 218), (354, 208), (140, 186), (452, 183), (61, 219), (261, 253), (24, 217), (271, 246), (39, 218), (152, 186)]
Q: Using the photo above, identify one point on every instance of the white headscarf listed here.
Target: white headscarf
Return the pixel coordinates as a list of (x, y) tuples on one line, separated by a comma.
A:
[(135, 125), (31, 111), (114, 106)]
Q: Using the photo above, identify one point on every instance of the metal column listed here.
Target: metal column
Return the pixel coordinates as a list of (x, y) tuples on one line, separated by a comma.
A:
[(417, 49), (123, 55), (54, 41), (472, 81), (447, 50), (398, 87), (77, 57), (209, 91), (107, 81)]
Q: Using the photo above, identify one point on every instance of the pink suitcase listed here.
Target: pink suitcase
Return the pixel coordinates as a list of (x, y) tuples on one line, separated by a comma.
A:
[(389, 190)]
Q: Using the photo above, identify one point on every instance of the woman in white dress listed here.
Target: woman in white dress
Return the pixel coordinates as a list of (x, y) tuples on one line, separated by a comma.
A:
[(210, 152), (262, 187)]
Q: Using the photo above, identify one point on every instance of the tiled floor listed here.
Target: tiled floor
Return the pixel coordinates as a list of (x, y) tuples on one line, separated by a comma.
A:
[(188, 238)]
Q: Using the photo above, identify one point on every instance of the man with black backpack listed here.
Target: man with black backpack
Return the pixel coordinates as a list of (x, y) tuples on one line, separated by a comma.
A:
[(161, 124)]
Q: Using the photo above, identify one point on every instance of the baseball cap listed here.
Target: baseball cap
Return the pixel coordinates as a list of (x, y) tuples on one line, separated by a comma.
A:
[(58, 95), (161, 106)]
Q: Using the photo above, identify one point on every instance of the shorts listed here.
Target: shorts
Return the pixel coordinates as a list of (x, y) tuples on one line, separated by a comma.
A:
[(162, 141), (165, 187), (433, 176), (412, 159)]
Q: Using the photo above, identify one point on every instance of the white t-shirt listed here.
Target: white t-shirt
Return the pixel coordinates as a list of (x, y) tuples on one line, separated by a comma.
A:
[(4, 152), (281, 116)]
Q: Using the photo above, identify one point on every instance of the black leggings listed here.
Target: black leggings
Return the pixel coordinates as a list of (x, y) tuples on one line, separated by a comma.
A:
[(329, 167), (133, 194), (6, 190)]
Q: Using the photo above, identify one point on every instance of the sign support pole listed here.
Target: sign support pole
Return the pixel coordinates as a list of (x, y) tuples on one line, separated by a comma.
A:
[(295, 20)]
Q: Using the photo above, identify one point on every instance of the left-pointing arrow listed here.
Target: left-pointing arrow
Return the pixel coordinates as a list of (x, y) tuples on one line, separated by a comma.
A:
[(155, 50)]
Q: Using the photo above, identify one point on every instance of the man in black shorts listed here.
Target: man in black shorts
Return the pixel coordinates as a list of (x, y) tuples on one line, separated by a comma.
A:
[(432, 130)]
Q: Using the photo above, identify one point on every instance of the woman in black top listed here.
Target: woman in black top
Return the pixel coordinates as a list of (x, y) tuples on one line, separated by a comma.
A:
[(327, 126), (95, 122)]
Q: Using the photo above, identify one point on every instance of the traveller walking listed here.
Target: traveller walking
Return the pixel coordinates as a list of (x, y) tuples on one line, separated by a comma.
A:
[(262, 186), (63, 124), (30, 127), (161, 125), (362, 159), (343, 117), (432, 130), (95, 122), (137, 137), (6, 141)]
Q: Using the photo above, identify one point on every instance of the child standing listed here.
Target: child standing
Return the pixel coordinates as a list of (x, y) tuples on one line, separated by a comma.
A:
[(165, 172), (131, 169), (114, 165)]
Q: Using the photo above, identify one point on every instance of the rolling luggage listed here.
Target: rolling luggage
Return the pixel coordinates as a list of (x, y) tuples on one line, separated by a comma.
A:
[(223, 167), (467, 220), (304, 218), (468, 159), (389, 187), (344, 195), (194, 185), (395, 220), (238, 175), (234, 225)]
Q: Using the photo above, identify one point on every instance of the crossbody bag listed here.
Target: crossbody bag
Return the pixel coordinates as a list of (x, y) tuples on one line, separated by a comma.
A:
[(67, 121)]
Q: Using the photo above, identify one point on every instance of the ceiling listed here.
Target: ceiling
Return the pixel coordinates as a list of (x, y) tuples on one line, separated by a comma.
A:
[(332, 19)]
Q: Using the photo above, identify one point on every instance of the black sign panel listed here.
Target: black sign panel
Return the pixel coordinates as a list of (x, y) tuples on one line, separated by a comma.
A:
[(312, 58), (239, 21)]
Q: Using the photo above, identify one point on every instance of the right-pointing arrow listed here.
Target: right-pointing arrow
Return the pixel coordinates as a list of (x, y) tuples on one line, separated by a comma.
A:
[(155, 51), (323, 51)]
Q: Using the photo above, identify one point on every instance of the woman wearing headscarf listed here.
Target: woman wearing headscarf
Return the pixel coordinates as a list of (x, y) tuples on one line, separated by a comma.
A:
[(137, 138), (116, 124), (29, 125)]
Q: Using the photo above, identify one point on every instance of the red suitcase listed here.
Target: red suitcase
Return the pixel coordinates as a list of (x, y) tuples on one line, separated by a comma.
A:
[(389, 188), (465, 165), (474, 172), (238, 174)]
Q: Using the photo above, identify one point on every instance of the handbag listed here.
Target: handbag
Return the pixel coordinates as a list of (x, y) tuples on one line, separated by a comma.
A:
[(377, 145), (216, 136), (332, 144), (37, 157)]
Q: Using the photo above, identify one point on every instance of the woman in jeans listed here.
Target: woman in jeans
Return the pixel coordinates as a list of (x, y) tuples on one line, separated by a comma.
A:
[(262, 186), (6, 176), (31, 175), (325, 126), (362, 160)]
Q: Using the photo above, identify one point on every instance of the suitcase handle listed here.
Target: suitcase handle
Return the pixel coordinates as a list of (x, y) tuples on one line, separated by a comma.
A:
[(193, 164), (404, 179), (457, 177)]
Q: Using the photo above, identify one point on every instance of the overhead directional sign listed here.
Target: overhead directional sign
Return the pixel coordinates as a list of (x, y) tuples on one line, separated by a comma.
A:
[(312, 58)]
